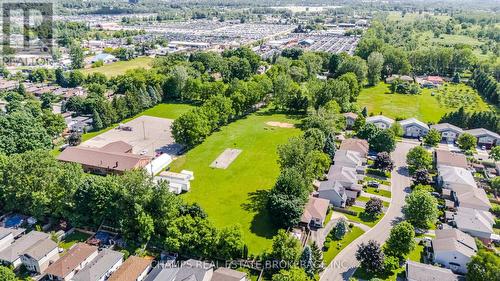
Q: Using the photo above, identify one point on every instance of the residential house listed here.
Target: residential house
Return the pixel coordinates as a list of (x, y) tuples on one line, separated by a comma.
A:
[(192, 270), (350, 118), (349, 158), (452, 159), (8, 235), (453, 249), (414, 128), (449, 132), (11, 255), (485, 137), (404, 78), (133, 269), (380, 121), (79, 124), (40, 255), (342, 185), (114, 158), (358, 145), (476, 223), (475, 198), (100, 268), (436, 80), (456, 179), (315, 212), (416, 271), (74, 260), (227, 274)]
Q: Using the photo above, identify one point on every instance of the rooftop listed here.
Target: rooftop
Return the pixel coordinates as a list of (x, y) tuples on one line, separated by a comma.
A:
[(446, 127), (227, 274), (315, 208), (99, 266), (41, 249), (453, 159), (454, 240), (66, 264), (379, 118), (479, 132), (131, 269), (416, 271), (413, 121), (357, 145), (12, 252)]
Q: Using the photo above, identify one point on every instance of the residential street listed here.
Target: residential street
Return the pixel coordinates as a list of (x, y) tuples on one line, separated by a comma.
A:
[(345, 263)]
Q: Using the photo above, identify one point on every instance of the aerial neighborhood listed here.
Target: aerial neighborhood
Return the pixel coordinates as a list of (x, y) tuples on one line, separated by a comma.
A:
[(256, 140)]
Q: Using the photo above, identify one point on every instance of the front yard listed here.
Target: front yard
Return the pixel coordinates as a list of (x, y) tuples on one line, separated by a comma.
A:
[(338, 245), (377, 191), (362, 217)]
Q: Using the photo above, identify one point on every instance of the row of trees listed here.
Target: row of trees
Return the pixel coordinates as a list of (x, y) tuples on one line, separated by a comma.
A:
[(466, 120), (487, 86), (36, 184)]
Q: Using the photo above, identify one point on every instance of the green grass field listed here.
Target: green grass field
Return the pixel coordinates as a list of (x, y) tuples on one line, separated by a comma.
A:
[(120, 67), (72, 239), (425, 106), (236, 195), (362, 217), (338, 245), (163, 110), (366, 199), (377, 191)]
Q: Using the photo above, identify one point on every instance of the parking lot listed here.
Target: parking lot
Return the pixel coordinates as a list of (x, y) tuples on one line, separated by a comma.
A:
[(148, 135)]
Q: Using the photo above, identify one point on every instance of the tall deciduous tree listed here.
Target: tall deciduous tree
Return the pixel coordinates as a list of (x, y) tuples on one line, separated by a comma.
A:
[(432, 138), (286, 249), (370, 256), (375, 64), (466, 141), (485, 266), (418, 158), (421, 209), (401, 240)]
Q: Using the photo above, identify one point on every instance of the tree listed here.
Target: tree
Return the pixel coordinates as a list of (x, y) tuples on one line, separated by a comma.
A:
[(368, 131), (495, 153), (285, 249), (374, 207), (330, 147), (20, 132), (421, 176), (466, 141), (401, 240), (495, 183), (315, 139), (354, 64), (384, 140), (340, 229), (74, 139), (6, 274), (229, 243), (421, 209), (317, 256), (375, 64), (293, 274), (76, 55), (397, 129), (383, 162), (306, 261), (432, 138), (418, 158), (485, 266), (370, 256)]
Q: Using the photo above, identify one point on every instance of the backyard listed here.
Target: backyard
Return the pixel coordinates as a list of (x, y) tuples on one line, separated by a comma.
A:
[(120, 67), (235, 195), (426, 106)]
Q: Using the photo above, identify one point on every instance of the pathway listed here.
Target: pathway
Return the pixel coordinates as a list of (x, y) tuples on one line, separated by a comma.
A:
[(344, 264)]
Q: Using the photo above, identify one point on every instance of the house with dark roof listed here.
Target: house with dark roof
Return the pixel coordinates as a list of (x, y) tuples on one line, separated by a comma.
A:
[(315, 212), (133, 269), (74, 260), (449, 132), (11, 255), (453, 249), (40, 255), (416, 271), (114, 158), (227, 274), (485, 137), (100, 268), (191, 270)]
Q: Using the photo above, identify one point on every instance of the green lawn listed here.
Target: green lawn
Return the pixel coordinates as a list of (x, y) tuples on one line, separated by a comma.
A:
[(72, 239), (120, 67), (415, 255), (425, 107), (163, 110), (362, 217), (376, 191), (366, 199), (236, 195), (338, 245)]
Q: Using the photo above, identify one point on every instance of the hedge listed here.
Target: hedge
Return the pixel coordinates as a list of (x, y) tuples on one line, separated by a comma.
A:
[(345, 211)]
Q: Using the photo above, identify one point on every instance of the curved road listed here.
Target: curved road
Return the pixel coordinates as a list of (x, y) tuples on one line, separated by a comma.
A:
[(344, 264)]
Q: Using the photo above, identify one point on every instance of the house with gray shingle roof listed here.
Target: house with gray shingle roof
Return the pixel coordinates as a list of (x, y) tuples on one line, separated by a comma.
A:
[(476, 223), (12, 254), (448, 131), (453, 249), (416, 271), (8, 235), (484, 137), (414, 128), (100, 268), (191, 270), (380, 121), (40, 255)]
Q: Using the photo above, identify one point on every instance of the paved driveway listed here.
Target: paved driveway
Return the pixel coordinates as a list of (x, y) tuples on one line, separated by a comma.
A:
[(345, 263)]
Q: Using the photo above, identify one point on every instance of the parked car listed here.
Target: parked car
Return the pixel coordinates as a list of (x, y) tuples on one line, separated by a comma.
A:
[(436, 194), (373, 184)]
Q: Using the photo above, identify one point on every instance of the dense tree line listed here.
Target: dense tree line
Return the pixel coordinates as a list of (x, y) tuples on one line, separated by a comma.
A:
[(487, 86), (36, 184), (466, 120)]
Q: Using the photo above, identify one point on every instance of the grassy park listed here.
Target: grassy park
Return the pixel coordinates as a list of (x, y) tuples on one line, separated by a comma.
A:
[(120, 67), (429, 106), (235, 195)]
